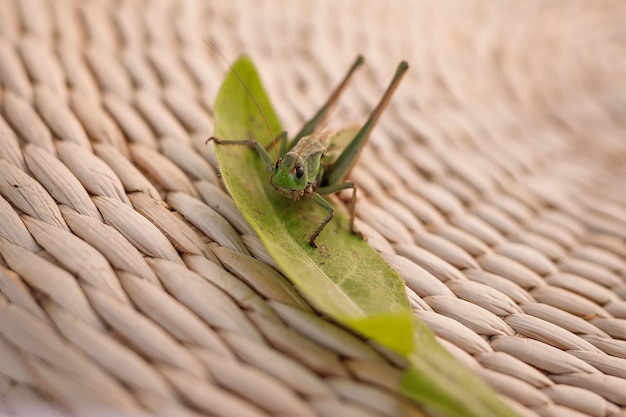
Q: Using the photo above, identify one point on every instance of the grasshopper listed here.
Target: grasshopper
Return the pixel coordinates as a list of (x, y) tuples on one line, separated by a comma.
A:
[(304, 167)]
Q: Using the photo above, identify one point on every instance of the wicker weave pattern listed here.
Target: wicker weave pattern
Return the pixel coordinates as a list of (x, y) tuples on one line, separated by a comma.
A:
[(495, 185)]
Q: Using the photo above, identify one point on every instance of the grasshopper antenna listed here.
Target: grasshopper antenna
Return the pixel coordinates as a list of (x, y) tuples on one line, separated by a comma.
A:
[(256, 103)]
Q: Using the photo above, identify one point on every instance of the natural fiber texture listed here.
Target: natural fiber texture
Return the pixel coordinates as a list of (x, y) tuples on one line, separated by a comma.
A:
[(495, 184)]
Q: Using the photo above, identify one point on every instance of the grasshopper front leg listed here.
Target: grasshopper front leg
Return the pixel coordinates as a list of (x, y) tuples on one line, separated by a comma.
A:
[(317, 197), (251, 143), (331, 212)]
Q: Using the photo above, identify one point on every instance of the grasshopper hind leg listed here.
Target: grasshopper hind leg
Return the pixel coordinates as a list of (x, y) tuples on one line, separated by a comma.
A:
[(311, 125), (354, 188)]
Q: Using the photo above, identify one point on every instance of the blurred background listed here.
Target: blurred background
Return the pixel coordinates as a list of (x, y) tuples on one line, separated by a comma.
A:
[(497, 178)]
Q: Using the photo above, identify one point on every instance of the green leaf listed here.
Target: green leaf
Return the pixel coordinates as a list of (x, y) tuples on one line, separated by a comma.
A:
[(436, 380), (344, 278)]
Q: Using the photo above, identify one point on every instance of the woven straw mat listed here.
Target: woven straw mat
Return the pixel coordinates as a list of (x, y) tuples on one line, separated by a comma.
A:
[(494, 183)]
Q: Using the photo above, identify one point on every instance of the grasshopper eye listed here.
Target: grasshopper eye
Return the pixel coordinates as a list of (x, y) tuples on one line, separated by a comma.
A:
[(299, 172)]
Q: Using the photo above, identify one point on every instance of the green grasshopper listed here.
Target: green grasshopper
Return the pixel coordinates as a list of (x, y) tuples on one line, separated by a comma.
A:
[(307, 169)]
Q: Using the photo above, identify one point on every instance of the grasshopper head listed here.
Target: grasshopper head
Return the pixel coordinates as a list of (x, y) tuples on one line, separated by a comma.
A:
[(290, 174)]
